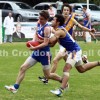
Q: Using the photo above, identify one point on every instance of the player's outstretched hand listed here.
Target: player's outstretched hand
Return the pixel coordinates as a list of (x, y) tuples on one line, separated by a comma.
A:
[(93, 30)]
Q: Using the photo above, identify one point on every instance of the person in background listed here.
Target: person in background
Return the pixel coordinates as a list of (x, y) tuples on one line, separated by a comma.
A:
[(51, 12), (59, 6), (87, 23), (8, 27)]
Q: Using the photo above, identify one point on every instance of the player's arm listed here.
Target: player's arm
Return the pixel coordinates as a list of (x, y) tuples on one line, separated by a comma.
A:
[(35, 37), (82, 27), (89, 19), (46, 39), (53, 40)]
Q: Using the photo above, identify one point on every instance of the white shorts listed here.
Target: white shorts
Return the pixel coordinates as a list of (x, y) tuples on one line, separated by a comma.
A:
[(74, 58), (61, 48)]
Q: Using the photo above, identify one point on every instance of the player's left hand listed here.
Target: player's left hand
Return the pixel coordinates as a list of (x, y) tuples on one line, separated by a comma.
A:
[(93, 30), (31, 47)]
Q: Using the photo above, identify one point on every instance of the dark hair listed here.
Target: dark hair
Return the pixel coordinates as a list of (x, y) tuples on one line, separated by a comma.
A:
[(60, 19), (66, 5), (50, 6), (44, 14), (84, 8)]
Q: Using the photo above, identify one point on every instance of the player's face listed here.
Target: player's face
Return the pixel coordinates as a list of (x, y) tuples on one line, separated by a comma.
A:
[(83, 10), (54, 22), (42, 20), (66, 11)]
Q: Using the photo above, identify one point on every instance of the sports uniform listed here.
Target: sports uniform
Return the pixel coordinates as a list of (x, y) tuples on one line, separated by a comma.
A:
[(85, 20), (69, 25), (73, 49), (42, 55)]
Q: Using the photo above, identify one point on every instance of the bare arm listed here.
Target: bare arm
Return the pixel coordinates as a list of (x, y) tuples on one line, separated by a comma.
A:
[(82, 27), (89, 19), (46, 39), (53, 40)]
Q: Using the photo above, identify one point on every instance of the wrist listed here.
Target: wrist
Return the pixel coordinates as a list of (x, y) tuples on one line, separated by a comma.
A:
[(89, 30)]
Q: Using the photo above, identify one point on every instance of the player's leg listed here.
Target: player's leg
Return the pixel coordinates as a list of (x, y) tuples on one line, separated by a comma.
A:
[(56, 60), (64, 84), (46, 68), (93, 36), (53, 68), (26, 65), (61, 54), (83, 68), (71, 61), (48, 75), (84, 36)]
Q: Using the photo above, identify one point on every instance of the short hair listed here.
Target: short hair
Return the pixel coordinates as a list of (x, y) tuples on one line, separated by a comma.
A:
[(44, 14), (50, 6), (60, 19), (84, 8), (66, 5)]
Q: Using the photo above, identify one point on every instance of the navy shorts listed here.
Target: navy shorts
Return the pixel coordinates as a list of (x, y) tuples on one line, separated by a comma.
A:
[(89, 25), (44, 57)]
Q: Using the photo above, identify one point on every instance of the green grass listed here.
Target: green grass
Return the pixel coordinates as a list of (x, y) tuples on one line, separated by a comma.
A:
[(84, 86)]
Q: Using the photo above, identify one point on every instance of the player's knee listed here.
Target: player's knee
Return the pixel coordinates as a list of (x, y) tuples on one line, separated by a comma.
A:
[(23, 68), (67, 68), (81, 70), (66, 74), (55, 61)]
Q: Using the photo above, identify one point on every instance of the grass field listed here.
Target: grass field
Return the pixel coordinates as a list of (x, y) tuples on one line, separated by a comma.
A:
[(84, 86)]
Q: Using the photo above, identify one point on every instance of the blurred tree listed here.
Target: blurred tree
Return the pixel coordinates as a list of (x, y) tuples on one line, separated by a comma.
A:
[(97, 2)]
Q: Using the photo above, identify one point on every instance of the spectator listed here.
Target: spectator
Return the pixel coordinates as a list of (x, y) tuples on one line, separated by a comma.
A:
[(59, 6), (8, 27), (87, 23), (73, 8), (51, 12)]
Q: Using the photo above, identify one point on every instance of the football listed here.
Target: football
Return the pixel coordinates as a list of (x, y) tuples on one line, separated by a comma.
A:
[(85, 59), (33, 43)]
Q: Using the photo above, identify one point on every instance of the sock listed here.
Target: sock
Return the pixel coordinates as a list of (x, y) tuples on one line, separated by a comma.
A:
[(98, 63), (16, 86), (61, 89), (84, 40), (94, 39)]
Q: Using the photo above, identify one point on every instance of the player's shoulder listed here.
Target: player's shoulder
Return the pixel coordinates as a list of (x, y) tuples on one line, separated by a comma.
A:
[(48, 27), (60, 30)]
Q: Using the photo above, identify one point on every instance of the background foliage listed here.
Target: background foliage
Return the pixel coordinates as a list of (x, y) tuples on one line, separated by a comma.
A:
[(33, 2)]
